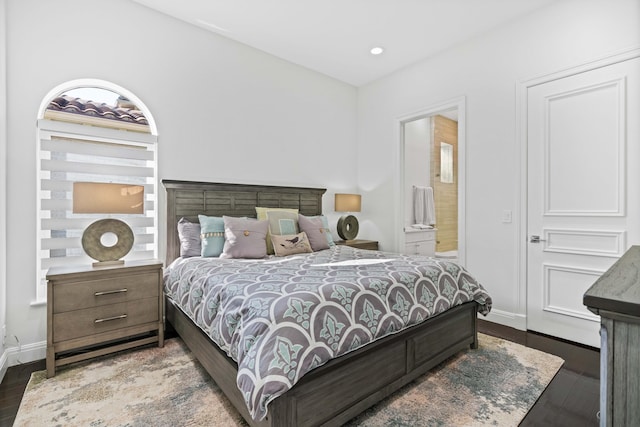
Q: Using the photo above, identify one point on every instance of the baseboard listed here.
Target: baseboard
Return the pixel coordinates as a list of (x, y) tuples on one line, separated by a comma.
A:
[(513, 320), (4, 364), (26, 353)]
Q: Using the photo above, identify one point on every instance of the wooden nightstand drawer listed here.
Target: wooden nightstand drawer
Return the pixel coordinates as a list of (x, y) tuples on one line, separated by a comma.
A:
[(76, 296), (90, 321)]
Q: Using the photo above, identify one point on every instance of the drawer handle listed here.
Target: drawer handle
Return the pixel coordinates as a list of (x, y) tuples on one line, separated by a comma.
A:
[(117, 291), (122, 316)]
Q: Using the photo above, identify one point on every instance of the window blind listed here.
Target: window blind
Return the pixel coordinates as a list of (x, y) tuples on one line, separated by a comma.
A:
[(70, 153)]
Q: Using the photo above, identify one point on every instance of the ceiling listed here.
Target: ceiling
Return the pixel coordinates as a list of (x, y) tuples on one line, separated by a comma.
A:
[(334, 37)]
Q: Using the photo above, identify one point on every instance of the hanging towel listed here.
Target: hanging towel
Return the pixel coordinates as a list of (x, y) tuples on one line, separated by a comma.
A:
[(424, 209)]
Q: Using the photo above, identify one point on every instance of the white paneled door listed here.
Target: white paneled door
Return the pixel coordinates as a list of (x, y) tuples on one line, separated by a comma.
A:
[(583, 179)]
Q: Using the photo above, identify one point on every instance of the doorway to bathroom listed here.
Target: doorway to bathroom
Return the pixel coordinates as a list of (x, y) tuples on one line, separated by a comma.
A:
[(444, 180), (432, 144)]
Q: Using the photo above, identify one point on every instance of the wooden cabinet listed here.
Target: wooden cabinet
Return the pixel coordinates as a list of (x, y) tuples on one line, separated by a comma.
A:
[(102, 310), (420, 241), (371, 245), (615, 296)]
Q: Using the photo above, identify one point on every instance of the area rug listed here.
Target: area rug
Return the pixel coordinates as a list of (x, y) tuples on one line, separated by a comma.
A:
[(494, 385)]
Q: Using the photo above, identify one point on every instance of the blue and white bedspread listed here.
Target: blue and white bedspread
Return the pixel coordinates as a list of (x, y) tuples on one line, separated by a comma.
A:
[(279, 318)]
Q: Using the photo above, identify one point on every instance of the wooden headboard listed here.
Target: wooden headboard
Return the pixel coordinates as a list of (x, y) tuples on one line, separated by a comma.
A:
[(188, 199)]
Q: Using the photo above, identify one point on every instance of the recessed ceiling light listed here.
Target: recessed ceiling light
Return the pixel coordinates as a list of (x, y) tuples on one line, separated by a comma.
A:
[(377, 50)]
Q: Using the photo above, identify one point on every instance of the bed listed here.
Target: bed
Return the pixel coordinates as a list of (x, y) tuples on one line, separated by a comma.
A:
[(337, 389)]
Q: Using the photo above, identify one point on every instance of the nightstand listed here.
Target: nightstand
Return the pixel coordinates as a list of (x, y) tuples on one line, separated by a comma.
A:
[(96, 311), (371, 245)]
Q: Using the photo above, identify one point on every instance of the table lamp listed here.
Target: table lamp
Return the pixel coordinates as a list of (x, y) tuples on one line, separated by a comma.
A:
[(348, 224), (107, 198)]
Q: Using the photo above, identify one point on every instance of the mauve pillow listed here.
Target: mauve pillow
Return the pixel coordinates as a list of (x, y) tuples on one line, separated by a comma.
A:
[(291, 244), (317, 231), (212, 235), (244, 238), (189, 235)]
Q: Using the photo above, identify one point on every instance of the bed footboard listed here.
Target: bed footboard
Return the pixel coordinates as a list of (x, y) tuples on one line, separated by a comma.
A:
[(341, 389)]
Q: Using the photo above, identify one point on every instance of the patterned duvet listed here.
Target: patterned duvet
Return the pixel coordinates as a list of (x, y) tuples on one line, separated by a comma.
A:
[(279, 318)]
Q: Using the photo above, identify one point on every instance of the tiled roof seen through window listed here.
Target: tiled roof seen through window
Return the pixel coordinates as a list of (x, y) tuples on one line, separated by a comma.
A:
[(125, 111)]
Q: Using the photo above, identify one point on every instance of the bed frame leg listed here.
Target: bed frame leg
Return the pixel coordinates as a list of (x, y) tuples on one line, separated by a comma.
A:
[(474, 344)]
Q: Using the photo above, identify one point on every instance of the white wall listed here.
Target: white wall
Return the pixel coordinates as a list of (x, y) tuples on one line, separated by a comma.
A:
[(485, 71), (225, 112), (3, 190)]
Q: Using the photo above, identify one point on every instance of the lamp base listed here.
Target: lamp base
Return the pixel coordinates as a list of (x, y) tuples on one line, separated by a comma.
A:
[(99, 264), (92, 240), (348, 227)]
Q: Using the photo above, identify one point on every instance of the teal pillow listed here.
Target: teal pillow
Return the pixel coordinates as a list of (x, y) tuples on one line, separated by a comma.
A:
[(325, 224), (211, 235)]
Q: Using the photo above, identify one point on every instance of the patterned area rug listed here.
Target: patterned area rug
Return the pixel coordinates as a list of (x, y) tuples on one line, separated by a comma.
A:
[(494, 385)]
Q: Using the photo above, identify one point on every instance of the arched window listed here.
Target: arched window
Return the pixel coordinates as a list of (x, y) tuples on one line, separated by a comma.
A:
[(91, 131)]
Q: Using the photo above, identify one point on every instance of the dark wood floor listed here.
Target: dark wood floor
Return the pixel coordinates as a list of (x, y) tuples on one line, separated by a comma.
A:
[(12, 389), (571, 399)]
